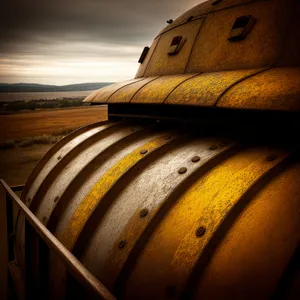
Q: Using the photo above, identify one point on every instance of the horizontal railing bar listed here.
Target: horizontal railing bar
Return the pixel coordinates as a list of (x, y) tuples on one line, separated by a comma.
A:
[(72, 264)]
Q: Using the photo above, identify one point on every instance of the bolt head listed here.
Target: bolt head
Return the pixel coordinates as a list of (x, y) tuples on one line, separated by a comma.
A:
[(144, 151), (195, 159), (213, 147), (122, 244), (182, 170), (144, 212), (200, 231)]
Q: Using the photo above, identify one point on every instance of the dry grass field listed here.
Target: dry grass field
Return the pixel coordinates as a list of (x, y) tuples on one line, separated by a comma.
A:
[(28, 124), (25, 137)]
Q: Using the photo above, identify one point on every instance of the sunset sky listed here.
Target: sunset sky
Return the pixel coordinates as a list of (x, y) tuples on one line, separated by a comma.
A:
[(75, 41)]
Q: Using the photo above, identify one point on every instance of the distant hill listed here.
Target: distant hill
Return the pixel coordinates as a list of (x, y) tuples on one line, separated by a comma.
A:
[(33, 87)]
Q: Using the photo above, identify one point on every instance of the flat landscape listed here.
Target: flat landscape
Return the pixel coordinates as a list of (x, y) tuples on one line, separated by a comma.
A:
[(28, 124), (26, 137)]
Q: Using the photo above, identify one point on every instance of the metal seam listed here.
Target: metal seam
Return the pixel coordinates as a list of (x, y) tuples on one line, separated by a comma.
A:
[(226, 224), (51, 224), (179, 84), (237, 82), (34, 202), (156, 77), (166, 206), (193, 47), (146, 68), (136, 80), (93, 199), (208, 13), (54, 150)]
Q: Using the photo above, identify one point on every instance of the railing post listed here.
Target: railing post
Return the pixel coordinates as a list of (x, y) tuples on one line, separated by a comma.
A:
[(9, 227)]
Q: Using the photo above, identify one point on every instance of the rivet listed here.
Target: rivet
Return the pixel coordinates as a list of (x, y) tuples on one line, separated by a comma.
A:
[(144, 151), (132, 129), (271, 157), (56, 198), (144, 212), (182, 170), (190, 18), (44, 219), (213, 147), (171, 291), (28, 200), (122, 244), (195, 159), (168, 137), (59, 158), (200, 231)]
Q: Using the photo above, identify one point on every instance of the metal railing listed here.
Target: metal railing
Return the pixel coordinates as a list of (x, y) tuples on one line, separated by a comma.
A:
[(71, 263)]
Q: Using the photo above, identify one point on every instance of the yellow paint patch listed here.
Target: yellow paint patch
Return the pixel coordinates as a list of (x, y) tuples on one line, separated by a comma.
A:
[(91, 201)]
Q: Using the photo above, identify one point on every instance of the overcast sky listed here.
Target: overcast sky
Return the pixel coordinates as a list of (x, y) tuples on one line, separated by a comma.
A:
[(74, 41)]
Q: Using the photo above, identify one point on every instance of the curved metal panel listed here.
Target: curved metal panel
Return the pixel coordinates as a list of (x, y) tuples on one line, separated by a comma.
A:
[(203, 9), (275, 89), (51, 152), (178, 239), (155, 213), (106, 92), (125, 94), (137, 208), (163, 64), (158, 90), (196, 11), (91, 201), (214, 52), (205, 89), (273, 216), (143, 66)]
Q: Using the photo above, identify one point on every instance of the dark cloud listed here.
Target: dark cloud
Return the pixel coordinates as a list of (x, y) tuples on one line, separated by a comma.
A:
[(82, 29)]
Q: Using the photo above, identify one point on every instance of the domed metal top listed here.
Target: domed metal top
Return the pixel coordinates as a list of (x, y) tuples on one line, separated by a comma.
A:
[(224, 53)]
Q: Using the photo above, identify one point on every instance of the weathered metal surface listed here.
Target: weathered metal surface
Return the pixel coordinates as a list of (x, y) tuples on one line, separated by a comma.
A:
[(265, 88), (213, 52), (202, 10), (265, 219), (205, 89), (125, 94), (102, 187), (158, 90), (158, 212), (106, 92), (147, 209), (161, 63), (275, 89), (135, 198), (207, 203), (143, 66)]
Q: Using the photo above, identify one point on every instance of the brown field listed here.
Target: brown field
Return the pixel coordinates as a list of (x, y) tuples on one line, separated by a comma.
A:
[(17, 163), (20, 125)]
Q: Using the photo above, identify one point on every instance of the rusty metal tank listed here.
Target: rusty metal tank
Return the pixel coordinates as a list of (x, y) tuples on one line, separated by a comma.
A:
[(191, 189)]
